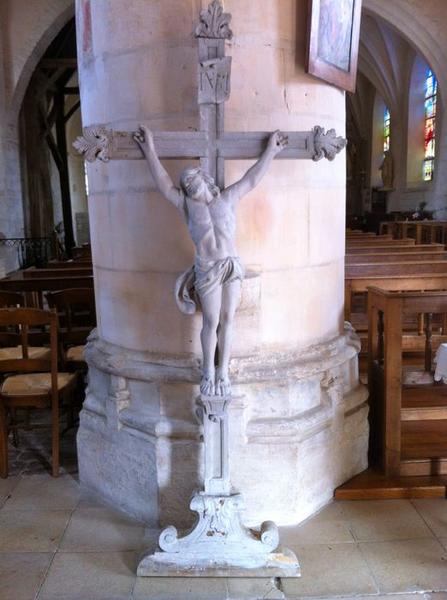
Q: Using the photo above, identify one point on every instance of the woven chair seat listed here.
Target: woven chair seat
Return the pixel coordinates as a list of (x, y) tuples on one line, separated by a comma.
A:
[(76, 353), (33, 352), (32, 384)]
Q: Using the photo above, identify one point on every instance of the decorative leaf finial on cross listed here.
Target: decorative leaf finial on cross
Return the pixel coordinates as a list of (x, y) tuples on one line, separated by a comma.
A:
[(95, 143), (214, 23), (327, 145)]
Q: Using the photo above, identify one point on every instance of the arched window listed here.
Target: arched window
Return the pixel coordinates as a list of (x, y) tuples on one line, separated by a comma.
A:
[(431, 88), (386, 129)]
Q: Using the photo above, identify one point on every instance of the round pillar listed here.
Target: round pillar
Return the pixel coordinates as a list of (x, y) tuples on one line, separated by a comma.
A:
[(299, 422)]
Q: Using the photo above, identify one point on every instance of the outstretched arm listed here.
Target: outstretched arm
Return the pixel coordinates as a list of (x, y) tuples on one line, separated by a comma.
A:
[(145, 140), (277, 142)]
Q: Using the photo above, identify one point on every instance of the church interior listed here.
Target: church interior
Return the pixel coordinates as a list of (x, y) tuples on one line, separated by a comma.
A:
[(223, 293)]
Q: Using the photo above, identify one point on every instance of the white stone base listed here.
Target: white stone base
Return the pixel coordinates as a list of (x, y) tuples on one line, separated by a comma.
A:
[(219, 543), (299, 430)]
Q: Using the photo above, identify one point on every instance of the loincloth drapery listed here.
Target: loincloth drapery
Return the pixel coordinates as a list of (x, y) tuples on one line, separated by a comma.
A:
[(204, 277)]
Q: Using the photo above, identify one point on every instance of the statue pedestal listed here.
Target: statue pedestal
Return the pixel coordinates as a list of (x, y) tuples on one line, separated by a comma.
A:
[(219, 544)]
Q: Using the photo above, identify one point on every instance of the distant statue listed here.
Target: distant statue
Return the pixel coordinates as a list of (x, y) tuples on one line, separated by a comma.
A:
[(214, 282), (387, 168), (58, 235)]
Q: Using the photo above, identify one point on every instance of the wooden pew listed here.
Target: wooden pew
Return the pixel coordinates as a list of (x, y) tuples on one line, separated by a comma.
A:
[(395, 269), (408, 410), (393, 248), (392, 282), (353, 234), (368, 236), (408, 417), (68, 264), (61, 273), (387, 227), (433, 231), (82, 253), (35, 287), (422, 231), (391, 257), (386, 243)]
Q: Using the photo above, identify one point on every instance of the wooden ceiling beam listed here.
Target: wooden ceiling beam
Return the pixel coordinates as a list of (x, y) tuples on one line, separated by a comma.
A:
[(55, 63), (72, 110)]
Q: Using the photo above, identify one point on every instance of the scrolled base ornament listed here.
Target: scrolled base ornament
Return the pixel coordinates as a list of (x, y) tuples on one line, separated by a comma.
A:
[(220, 545), (327, 145)]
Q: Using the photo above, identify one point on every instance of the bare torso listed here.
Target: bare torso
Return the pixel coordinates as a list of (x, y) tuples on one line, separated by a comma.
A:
[(212, 227)]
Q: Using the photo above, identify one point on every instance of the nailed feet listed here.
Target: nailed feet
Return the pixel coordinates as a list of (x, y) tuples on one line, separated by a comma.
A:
[(219, 386)]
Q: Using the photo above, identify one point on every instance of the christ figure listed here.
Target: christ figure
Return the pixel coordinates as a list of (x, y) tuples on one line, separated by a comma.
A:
[(214, 282)]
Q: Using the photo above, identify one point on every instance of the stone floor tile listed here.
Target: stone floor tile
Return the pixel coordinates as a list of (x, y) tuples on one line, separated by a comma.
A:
[(350, 509), (383, 520), (21, 574), (32, 530), (333, 511), (253, 589), (330, 570), (112, 531), (88, 500), (434, 513), (316, 532), (177, 588), (407, 566), (44, 492), (6, 488), (90, 576)]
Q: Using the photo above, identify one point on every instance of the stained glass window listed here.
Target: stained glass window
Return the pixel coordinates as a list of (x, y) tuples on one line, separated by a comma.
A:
[(431, 89), (386, 129)]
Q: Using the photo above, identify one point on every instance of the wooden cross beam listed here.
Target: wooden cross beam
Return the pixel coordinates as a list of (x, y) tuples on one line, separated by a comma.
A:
[(212, 145)]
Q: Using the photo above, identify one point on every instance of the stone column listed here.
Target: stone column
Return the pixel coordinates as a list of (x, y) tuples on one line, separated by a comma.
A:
[(300, 426)]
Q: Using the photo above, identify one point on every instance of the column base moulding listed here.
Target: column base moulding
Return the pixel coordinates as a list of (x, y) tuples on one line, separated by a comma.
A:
[(298, 429)]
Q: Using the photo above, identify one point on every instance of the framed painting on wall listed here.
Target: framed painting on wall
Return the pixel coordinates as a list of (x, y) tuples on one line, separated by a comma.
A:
[(333, 41)]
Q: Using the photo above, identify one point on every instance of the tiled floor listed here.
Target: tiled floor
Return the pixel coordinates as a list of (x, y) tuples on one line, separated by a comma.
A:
[(57, 545), (33, 453)]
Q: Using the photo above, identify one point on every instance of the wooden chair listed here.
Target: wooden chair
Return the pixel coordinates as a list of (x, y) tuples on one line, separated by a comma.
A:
[(32, 382), (11, 299), (77, 317), (408, 408), (82, 252), (9, 348)]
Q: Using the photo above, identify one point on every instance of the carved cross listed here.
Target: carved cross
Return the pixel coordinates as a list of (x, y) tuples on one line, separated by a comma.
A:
[(211, 144)]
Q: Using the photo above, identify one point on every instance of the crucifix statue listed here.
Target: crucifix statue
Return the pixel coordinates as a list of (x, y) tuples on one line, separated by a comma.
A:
[(206, 205), (219, 544), (215, 280)]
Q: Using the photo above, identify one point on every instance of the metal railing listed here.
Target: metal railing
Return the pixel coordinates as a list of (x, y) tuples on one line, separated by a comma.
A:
[(31, 251)]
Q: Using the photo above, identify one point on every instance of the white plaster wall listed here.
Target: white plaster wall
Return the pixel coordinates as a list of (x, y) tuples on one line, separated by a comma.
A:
[(290, 229), (26, 30), (29, 29), (2, 116)]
